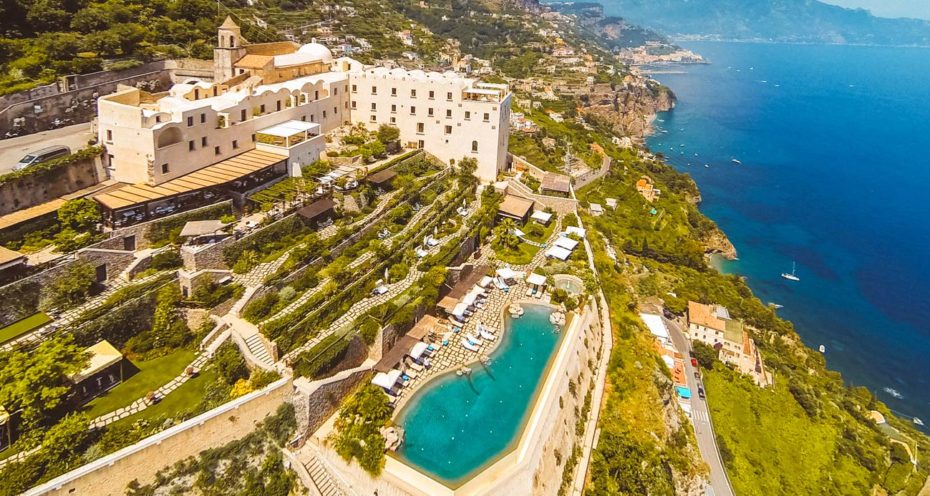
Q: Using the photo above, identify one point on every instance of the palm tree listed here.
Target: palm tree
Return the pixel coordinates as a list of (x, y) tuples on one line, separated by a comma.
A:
[(505, 234)]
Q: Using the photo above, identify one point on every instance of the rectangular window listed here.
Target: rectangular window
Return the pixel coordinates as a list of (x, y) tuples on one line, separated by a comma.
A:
[(354, 89), (449, 96), (393, 91), (353, 105), (420, 127), (429, 112), (374, 106), (448, 114), (413, 93), (448, 129), (253, 137), (393, 109), (190, 121), (335, 91), (164, 168), (190, 145), (413, 110), (235, 144), (278, 105), (316, 95), (487, 117), (312, 119), (216, 150), (261, 110), (324, 114), (242, 115), (109, 135), (374, 90), (373, 119), (203, 118), (432, 94), (393, 120), (467, 115), (203, 141)]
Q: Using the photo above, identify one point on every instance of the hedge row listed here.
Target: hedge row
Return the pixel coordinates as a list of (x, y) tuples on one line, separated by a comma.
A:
[(44, 168), (318, 360), (274, 232)]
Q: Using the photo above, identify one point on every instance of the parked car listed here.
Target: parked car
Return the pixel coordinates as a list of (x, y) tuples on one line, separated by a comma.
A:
[(697, 374), (701, 392), (43, 155), (694, 362)]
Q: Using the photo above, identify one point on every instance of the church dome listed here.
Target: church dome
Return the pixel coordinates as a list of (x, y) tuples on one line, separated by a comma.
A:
[(316, 51)]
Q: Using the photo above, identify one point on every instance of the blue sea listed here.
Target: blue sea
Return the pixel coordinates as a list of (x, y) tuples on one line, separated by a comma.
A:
[(835, 176)]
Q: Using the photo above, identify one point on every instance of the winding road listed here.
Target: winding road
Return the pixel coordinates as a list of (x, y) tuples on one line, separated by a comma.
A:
[(700, 415)]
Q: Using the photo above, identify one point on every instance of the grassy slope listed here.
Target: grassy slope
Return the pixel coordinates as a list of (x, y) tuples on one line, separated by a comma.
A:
[(771, 444), (151, 375)]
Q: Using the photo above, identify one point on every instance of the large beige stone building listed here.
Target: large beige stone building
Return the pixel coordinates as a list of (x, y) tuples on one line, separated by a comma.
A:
[(265, 114), (712, 325)]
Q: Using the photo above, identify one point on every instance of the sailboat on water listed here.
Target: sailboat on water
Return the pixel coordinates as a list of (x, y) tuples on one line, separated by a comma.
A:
[(791, 276)]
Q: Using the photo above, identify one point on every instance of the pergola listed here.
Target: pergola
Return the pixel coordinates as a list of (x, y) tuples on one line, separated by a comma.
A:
[(287, 134)]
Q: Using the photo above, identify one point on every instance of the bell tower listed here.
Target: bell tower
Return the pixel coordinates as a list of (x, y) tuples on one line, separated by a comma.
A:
[(229, 49)]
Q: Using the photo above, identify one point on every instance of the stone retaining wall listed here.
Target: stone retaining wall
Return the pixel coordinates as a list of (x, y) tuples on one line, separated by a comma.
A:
[(34, 189), (23, 298), (322, 398), (111, 474)]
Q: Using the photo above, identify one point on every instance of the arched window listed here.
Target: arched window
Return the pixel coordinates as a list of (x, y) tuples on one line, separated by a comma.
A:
[(474, 146), (232, 41)]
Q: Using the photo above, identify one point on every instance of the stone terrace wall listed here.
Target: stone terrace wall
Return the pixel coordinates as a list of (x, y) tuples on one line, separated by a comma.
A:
[(141, 461), (209, 257), (34, 189), (22, 298), (321, 398)]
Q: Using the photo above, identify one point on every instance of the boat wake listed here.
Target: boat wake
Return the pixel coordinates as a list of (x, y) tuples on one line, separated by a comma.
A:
[(893, 392)]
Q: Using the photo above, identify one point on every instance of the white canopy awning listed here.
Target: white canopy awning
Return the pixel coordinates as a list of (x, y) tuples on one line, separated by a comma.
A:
[(459, 310), (469, 299), (655, 325), (386, 380), (558, 252), (485, 281), (537, 279), (508, 273), (580, 231), (669, 361), (518, 233), (417, 351), (289, 128), (541, 216), (567, 243)]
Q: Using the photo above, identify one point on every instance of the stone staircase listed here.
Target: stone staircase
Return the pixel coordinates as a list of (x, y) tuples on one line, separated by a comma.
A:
[(324, 482), (259, 350)]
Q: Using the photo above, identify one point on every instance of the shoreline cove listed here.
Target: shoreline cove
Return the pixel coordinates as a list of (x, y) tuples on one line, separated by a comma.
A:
[(863, 314)]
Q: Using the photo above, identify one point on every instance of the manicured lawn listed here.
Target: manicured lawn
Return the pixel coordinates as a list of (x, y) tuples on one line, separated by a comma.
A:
[(181, 401), (21, 327), (151, 375), (522, 255)]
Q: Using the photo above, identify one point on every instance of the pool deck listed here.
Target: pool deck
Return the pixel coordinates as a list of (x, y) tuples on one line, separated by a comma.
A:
[(454, 356), (413, 481)]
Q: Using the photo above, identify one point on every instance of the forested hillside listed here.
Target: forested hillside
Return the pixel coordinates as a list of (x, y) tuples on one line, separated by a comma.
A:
[(43, 39)]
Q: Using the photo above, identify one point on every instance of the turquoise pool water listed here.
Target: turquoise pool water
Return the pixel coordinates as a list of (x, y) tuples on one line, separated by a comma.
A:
[(456, 426)]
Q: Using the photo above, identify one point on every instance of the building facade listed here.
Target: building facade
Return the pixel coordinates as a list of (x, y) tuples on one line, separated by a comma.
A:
[(152, 139)]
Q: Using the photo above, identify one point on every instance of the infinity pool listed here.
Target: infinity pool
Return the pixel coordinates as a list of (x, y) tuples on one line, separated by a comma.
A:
[(456, 426)]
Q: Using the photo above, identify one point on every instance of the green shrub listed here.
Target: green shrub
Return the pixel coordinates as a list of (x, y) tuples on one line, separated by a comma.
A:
[(320, 359), (166, 260), (260, 307), (230, 364)]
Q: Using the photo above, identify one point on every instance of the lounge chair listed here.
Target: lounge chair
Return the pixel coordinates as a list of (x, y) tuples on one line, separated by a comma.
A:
[(486, 335), (468, 346)]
